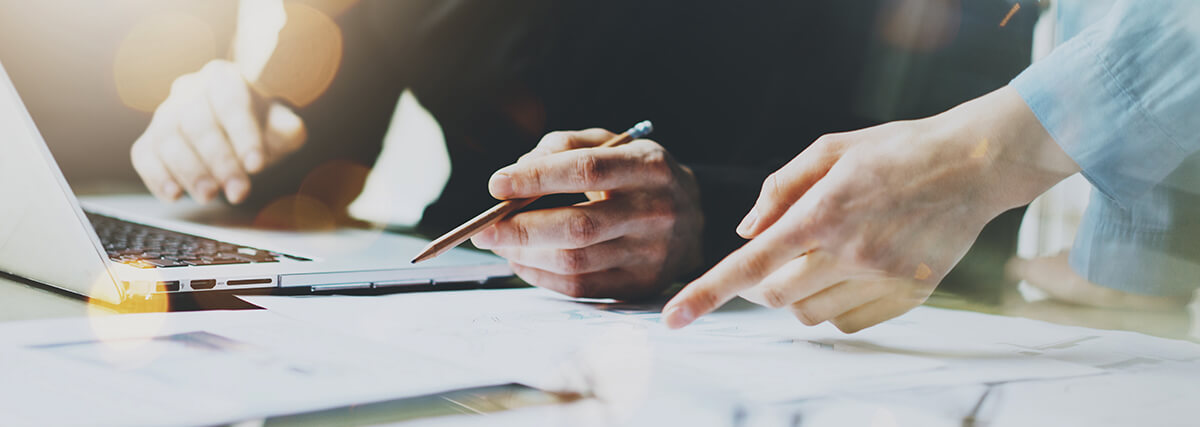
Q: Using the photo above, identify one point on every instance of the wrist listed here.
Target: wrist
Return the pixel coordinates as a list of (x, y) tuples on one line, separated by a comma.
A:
[(1014, 157)]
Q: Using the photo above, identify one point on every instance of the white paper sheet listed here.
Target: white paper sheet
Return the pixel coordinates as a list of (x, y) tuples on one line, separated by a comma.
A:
[(759, 354), (201, 368), (1165, 395)]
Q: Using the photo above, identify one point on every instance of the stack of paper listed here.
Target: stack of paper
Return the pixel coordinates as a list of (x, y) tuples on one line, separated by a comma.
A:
[(200, 368), (310, 353)]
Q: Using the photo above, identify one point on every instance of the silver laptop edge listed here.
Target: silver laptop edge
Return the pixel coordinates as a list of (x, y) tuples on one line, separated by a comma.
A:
[(40, 219), (46, 237)]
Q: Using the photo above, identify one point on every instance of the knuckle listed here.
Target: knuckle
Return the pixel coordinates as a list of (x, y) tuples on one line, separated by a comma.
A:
[(139, 150), (656, 163), (660, 209), (141, 165), (582, 229), (183, 84), (754, 267), (864, 255), (554, 140), (775, 298), (220, 72), (706, 298), (591, 170), (519, 233), (573, 261), (826, 142), (528, 182), (214, 66)]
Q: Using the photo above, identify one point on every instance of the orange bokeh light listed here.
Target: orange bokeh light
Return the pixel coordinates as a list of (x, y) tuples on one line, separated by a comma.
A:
[(920, 25), (155, 52), (305, 59)]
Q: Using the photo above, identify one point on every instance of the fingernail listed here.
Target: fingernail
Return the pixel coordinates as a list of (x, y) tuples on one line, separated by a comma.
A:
[(677, 316), (748, 222), (253, 162), (171, 190), (485, 238), (236, 190), (500, 185), (206, 189)]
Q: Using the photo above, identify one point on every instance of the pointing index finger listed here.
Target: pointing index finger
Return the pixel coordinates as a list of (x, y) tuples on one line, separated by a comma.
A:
[(741, 270)]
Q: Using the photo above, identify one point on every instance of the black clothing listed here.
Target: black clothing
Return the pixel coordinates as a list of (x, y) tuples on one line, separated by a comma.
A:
[(734, 89)]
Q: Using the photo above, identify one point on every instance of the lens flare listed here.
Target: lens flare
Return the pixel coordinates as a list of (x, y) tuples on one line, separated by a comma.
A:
[(923, 272), (296, 212), (155, 52), (1016, 7), (306, 58), (336, 183), (614, 368), (920, 25), (981, 150), (320, 210), (124, 339)]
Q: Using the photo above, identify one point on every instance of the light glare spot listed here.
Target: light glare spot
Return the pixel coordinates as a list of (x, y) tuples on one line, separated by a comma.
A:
[(981, 150), (306, 57), (923, 272), (155, 52), (1011, 12)]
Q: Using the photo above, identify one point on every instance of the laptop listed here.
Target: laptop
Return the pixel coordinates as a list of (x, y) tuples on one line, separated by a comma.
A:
[(120, 248)]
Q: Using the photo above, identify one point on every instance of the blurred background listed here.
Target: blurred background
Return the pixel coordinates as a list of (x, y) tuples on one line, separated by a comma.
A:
[(92, 71)]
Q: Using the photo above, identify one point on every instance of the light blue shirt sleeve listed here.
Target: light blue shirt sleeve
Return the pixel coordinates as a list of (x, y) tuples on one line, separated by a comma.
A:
[(1122, 98)]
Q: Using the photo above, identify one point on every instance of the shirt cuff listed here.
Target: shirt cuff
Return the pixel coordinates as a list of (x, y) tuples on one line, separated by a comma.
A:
[(1095, 120), (1114, 251)]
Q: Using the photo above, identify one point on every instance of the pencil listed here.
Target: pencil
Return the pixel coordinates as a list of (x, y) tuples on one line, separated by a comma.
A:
[(503, 209)]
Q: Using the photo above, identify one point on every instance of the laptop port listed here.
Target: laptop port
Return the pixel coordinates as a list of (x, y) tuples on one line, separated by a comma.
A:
[(167, 286), (246, 282), (203, 284)]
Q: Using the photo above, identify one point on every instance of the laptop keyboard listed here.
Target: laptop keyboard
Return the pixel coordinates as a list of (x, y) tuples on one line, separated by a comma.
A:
[(143, 246)]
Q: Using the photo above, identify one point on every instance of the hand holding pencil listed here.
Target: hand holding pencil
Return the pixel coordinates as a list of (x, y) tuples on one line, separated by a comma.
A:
[(637, 232)]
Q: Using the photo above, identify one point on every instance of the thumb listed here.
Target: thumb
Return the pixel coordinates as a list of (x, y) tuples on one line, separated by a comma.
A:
[(284, 131), (784, 187)]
